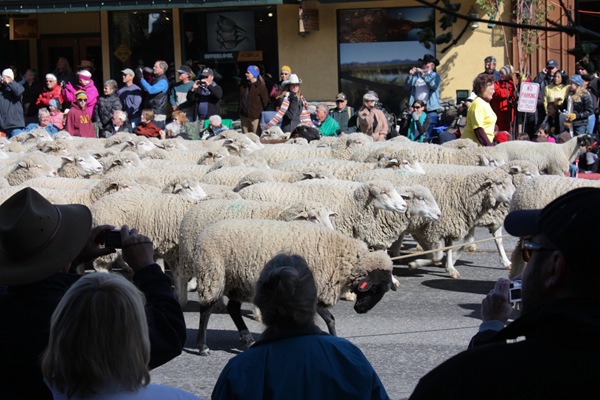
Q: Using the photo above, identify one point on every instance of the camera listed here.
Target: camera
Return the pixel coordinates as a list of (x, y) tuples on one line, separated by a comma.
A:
[(112, 238), (2, 80), (514, 292)]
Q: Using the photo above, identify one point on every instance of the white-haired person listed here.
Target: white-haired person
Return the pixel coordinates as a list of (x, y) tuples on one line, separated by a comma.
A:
[(119, 124), (215, 126), (44, 122), (40, 246), (51, 91), (323, 366), (102, 354)]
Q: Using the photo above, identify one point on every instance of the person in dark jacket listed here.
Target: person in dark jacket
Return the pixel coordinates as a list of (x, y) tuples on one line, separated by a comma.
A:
[(33, 88), (578, 105), (106, 106), (11, 103), (254, 99), (552, 350), (157, 97), (40, 246), (206, 94), (343, 113)]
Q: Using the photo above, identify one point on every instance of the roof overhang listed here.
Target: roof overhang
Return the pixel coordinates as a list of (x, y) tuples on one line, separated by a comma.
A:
[(35, 7)]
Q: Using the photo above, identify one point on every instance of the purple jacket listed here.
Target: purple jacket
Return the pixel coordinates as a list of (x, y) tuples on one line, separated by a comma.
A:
[(89, 89)]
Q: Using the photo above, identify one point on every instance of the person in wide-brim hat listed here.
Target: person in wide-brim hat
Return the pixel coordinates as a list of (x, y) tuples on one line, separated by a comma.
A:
[(429, 58), (293, 80), (38, 238)]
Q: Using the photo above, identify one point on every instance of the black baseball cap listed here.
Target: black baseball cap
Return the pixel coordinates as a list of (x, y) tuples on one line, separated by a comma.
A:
[(570, 222)]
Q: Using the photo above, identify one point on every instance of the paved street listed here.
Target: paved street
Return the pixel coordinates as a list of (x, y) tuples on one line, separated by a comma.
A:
[(430, 318)]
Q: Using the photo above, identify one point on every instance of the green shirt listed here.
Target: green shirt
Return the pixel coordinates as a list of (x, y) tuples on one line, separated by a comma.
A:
[(329, 127)]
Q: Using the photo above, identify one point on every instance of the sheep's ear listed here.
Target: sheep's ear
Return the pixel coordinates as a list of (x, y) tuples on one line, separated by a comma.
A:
[(130, 142), (514, 170), (364, 285), (309, 175), (232, 145), (67, 158), (242, 185), (117, 162), (484, 161), (177, 188), (405, 194), (22, 164), (487, 183), (302, 215), (393, 162)]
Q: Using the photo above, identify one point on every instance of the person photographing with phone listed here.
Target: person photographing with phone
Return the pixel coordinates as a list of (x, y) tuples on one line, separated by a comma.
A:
[(40, 246), (206, 94), (551, 351)]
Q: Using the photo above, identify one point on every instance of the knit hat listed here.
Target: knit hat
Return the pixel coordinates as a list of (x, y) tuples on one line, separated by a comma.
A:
[(507, 70), (84, 74), (286, 68), (80, 94), (8, 72), (253, 70), (54, 103), (51, 77), (576, 79)]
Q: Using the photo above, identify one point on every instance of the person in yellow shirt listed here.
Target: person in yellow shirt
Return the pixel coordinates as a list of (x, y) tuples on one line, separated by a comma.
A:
[(481, 119), (556, 92)]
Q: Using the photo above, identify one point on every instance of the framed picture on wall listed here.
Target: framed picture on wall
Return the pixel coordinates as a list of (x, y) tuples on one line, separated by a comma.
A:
[(377, 47)]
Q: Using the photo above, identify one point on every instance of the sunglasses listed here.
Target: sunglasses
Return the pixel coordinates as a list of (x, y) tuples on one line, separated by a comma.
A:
[(527, 249), (84, 100), (416, 107), (579, 69)]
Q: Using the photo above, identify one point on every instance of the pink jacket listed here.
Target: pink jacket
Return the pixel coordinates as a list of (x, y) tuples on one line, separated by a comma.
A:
[(89, 89)]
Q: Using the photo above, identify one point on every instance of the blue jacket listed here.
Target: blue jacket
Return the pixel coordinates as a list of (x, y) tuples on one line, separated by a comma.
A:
[(312, 366), (433, 81)]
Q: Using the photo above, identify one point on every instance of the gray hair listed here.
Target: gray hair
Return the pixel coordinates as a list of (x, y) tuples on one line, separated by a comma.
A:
[(122, 115), (215, 119), (43, 111), (490, 59), (112, 84), (323, 107)]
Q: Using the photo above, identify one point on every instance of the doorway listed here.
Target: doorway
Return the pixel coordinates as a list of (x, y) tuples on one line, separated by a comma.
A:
[(74, 48)]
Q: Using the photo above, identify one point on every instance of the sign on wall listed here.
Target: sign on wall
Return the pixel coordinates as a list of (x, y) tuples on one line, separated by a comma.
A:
[(23, 28), (230, 31)]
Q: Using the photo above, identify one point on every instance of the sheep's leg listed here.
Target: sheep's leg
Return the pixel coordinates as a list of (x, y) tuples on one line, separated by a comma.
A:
[(498, 240), (180, 286), (396, 247), (192, 284), (450, 265), (328, 318), (436, 257), (234, 308), (205, 311), (469, 246)]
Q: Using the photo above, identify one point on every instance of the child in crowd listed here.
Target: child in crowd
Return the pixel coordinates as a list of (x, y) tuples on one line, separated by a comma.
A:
[(543, 134), (182, 127), (147, 127), (57, 117)]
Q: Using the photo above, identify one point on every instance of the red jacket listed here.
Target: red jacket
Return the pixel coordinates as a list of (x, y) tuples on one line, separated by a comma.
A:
[(44, 98), (503, 104), (148, 129)]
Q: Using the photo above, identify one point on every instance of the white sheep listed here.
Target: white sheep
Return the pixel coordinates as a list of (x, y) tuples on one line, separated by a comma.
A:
[(211, 211), (30, 166), (551, 158), (124, 160), (345, 169), (80, 165), (228, 176), (463, 199), (366, 211), (274, 133), (274, 175), (226, 267)]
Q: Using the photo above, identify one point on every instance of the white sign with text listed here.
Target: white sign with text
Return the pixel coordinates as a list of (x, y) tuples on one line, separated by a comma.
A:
[(528, 97)]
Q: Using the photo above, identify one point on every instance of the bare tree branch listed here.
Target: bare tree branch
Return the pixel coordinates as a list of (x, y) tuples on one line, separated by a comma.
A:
[(571, 29)]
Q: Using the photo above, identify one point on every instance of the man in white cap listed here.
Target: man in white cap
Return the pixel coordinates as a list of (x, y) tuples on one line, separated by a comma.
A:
[(131, 97), (11, 103), (40, 246)]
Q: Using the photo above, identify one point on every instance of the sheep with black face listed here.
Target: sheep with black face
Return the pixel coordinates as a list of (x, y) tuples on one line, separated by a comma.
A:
[(228, 256)]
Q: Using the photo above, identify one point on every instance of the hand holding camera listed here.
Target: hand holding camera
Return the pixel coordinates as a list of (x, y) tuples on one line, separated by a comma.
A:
[(571, 116), (63, 84), (496, 305)]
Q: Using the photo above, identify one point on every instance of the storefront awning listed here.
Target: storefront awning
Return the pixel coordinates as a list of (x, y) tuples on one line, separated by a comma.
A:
[(33, 7)]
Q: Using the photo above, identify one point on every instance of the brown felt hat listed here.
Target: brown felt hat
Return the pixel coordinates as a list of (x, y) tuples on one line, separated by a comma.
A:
[(38, 238)]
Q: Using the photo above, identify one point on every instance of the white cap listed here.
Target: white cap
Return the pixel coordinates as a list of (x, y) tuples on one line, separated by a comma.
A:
[(85, 72), (8, 72), (51, 77)]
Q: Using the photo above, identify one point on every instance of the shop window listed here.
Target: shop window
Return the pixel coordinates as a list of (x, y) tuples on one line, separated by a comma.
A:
[(140, 38), (228, 41), (377, 47)]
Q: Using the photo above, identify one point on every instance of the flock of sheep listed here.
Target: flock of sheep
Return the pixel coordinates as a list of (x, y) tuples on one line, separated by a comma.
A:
[(344, 203)]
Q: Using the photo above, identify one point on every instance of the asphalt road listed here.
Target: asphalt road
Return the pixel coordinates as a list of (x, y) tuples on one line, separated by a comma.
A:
[(430, 318)]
